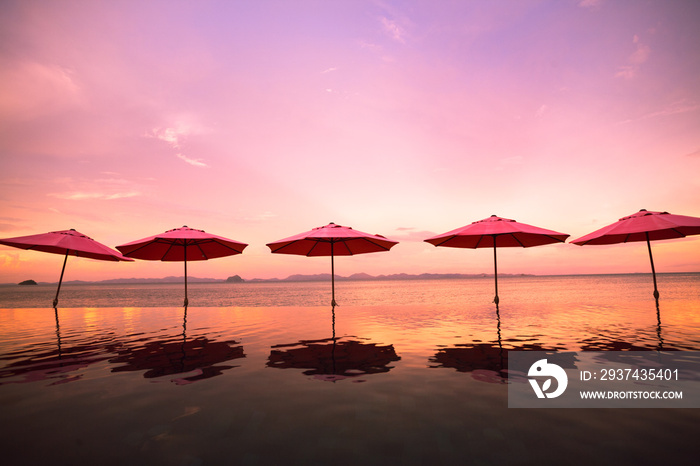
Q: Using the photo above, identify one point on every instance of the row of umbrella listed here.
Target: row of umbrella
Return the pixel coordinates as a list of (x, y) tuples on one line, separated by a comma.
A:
[(188, 244)]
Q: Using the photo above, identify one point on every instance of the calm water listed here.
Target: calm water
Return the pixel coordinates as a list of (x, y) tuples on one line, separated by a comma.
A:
[(399, 373)]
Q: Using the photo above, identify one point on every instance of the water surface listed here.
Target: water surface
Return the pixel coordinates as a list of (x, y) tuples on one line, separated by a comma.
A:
[(399, 373)]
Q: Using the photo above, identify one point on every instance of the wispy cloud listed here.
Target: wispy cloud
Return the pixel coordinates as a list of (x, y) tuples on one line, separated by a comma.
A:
[(194, 162), (694, 154), (112, 181), (393, 30), (176, 136), (377, 50), (410, 234), (83, 196), (9, 260), (261, 217), (590, 3), (329, 70), (634, 61), (370, 46), (172, 136), (31, 89), (673, 109)]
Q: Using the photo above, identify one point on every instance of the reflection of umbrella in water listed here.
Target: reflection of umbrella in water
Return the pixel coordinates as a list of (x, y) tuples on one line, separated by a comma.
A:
[(597, 344), (63, 365), (332, 359), (601, 343), (182, 245), (495, 232), (67, 243), (486, 362), (331, 240), (168, 357)]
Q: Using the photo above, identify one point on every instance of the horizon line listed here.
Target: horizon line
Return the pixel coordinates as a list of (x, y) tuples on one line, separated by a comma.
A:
[(360, 276)]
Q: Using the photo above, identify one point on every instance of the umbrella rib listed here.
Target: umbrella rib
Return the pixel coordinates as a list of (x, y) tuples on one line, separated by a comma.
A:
[(130, 253), (445, 240), (170, 247), (336, 242), (316, 242), (226, 246), (201, 250), (676, 231), (369, 240), (556, 239), (277, 249), (516, 239)]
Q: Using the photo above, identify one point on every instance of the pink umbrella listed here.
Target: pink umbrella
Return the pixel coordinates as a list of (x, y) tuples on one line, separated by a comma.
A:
[(181, 245), (68, 243), (644, 226), (496, 231), (331, 240)]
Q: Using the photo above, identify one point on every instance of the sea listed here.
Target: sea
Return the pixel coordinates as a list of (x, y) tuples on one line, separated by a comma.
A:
[(399, 372)]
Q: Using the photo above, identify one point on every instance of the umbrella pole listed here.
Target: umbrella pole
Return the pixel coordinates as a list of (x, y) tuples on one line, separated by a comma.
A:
[(186, 302), (58, 290), (495, 270), (333, 303), (653, 272)]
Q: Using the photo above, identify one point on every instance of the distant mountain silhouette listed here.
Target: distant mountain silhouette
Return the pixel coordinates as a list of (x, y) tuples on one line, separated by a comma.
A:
[(366, 277), (319, 277)]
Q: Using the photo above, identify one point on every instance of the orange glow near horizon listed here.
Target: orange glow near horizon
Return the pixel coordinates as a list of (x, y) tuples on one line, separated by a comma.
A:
[(257, 121)]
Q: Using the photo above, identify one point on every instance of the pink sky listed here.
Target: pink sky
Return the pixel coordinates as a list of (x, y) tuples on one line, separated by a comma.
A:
[(259, 120)]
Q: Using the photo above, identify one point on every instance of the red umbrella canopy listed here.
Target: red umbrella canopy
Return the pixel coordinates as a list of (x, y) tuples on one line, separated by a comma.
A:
[(180, 243), (66, 242), (340, 240), (504, 232), (635, 227)]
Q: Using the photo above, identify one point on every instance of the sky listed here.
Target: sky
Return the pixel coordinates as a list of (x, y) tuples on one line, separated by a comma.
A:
[(258, 120)]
